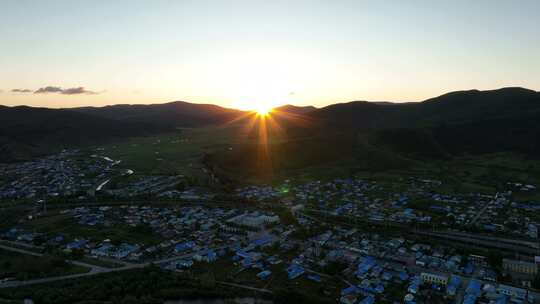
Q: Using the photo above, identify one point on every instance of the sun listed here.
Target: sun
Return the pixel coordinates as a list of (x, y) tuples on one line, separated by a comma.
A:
[(263, 110)]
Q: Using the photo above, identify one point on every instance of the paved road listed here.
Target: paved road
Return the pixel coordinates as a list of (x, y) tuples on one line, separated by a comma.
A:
[(94, 270), (244, 287), (40, 248), (479, 214), (513, 245), (477, 241), (18, 250)]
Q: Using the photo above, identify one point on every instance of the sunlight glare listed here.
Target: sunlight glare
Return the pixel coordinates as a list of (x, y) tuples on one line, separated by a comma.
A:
[(263, 110)]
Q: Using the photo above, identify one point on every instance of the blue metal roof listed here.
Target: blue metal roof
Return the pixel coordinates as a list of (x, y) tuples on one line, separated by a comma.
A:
[(368, 300)]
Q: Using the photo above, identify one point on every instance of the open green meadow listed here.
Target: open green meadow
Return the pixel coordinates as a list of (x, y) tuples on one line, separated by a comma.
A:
[(237, 155), (24, 267)]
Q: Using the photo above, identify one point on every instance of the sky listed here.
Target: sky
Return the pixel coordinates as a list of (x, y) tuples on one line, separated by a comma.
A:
[(244, 53)]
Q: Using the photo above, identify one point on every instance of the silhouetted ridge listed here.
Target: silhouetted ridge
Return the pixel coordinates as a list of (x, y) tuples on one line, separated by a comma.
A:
[(295, 109), (472, 121), (177, 113)]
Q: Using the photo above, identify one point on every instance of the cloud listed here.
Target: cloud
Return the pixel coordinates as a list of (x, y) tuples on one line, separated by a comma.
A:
[(69, 91), (21, 91), (49, 89), (79, 90)]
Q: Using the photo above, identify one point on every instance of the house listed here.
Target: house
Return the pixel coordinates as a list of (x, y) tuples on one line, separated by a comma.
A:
[(183, 247), (185, 263), (124, 250), (205, 256), (453, 285), (263, 275), (415, 285), (103, 250), (532, 231), (26, 237), (469, 299), (365, 266), (254, 256), (348, 299), (76, 245), (409, 299), (368, 300), (263, 242), (349, 290), (294, 271), (474, 288), (513, 292)]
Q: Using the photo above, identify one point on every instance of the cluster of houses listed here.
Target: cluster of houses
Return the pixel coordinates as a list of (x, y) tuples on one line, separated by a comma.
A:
[(158, 185), (167, 231), (258, 193), (410, 201), (64, 174), (373, 266), (74, 174)]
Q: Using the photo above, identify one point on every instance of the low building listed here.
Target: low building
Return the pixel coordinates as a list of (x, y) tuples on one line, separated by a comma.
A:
[(478, 260), (433, 278), (518, 266), (254, 220), (453, 285), (513, 292)]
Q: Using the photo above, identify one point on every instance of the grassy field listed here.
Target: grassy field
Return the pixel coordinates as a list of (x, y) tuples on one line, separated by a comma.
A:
[(100, 263), (243, 155), (25, 267), (10, 217), (224, 270), (174, 153)]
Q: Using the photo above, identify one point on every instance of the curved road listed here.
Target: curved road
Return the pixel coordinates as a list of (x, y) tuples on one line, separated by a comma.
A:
[(94, 270)]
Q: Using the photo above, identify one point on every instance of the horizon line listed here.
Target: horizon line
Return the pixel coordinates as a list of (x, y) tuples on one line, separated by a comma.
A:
[(282, 105)]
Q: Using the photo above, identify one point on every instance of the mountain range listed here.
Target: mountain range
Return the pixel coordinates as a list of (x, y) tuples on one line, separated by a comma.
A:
[(473, 121)]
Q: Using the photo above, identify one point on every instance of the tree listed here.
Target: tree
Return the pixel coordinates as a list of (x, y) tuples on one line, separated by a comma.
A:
[(6, 265), (495, 258), (287, 218), (129, 300), (208, 281), (536, 282)]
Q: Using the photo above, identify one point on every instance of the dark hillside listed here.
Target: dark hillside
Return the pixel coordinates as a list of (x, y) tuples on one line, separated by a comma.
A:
[(26, 132), (176, 114)]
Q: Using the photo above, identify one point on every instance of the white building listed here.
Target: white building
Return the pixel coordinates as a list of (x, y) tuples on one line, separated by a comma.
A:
[(433, 278), (254, 220)]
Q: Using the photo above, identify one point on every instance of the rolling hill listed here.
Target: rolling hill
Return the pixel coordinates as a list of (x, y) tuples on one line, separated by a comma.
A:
[(451, 108), (26, 132), (377, 135), (172, 114), (292, 109), (472, 121)]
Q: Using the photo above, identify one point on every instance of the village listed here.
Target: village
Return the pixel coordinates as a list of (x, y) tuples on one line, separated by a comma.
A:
[(53, 176), (77, 175), (415, 202), (367, 266), (342, 238)]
